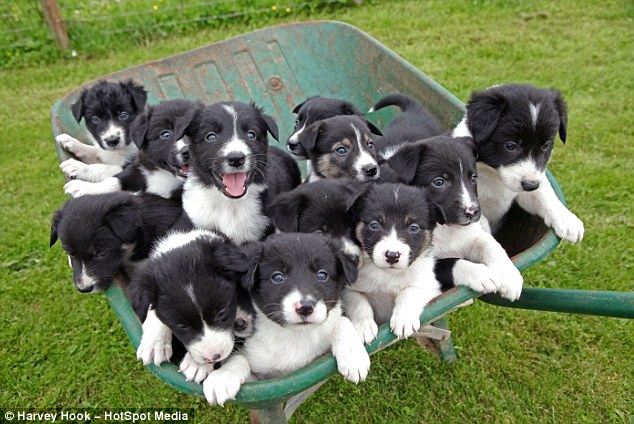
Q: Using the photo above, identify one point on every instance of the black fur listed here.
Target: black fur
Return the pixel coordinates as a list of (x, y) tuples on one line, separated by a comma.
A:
[(436, 164), (106, 233), (316, 109)]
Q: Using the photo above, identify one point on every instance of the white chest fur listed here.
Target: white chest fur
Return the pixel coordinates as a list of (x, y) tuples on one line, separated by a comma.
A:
[(242, 220), (456, 241), (495, 198), (276, 350), (373, 279), (161, 182)]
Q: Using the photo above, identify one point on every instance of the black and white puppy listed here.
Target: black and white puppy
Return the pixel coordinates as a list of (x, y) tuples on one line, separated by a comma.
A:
[(162, 164), (297, 284), (394, 225), (414, 123), (108, 109), (341, 147), (514, 127), (320, 207), (234, 173), (315, 109), (189, 288), (446, 168), (105, 235)]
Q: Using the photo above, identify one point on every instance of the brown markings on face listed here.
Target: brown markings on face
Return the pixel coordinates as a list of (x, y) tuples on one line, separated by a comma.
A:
[(329, 165), (359, 232), (427, 242)]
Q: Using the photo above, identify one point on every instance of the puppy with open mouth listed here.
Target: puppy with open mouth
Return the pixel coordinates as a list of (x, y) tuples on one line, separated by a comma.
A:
[(234, 173)]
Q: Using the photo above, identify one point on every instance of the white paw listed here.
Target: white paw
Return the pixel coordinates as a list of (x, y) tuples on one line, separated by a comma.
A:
[(194, 371), (477, 277), (155, 348), (221, 386), (567, 226), (509, 281), (404, 322), (70, 144), (353, 363), (367, 329), (72, 169), (78, 188)]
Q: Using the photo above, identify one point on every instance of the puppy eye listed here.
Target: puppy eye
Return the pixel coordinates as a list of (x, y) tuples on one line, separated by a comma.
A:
[(546, 146), (474, 178), (341, 151), (251, 135), (100, 255), (296, 123), (183, 326), (510, 146), (322, 276), (222, 315), (414, 228), (95, 120), (438, 182), (371, 145), (278, 278), (124, 115), (374, 226), (211, 137), (165, 135)]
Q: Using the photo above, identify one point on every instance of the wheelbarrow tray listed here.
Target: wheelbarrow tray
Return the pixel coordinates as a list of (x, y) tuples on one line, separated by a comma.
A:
[(279, 67)]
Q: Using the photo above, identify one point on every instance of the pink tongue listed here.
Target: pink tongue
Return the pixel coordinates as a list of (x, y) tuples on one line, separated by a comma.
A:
[(185, 169), (234, 183)]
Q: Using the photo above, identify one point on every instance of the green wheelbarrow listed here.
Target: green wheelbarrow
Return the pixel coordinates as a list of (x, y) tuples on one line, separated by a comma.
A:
[(277, 68)]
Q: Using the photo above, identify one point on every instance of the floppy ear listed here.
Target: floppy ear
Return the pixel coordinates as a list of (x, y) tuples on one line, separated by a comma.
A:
[(54, 224), (347, 266), (285, 209), (184, 122), (143, 291), (405, 161), (299, 106), (253, 251), (310, 136), (125, 221), (229, 260), (138, 93), (353, 189), (562, 110), (483, 113), (78, 107), (373, 128), (271, 126), (139, 127)]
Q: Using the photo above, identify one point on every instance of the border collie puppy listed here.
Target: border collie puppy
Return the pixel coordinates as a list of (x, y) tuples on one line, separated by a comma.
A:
[(514, 127), (297, 283), (105, 235), (340, 147), (234, 173), (316, 109), (414, 123), (321, 207), (189, 288), (446, 168), (108, 109), (163, 160), (394, 225)]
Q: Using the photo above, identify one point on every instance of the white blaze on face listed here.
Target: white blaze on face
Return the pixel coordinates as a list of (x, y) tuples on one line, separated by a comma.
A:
[(391, 243), (293, 138), (236, 144), (85, 280), (113, 130), (525, 170), (292, 302), (465, 197), (364, 158), (214, 345), (534, 109)]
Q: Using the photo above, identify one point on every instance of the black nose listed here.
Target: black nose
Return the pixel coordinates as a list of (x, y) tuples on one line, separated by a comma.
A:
[(305, 308), (472, 211), (112, 141), (84, 289), (392, 257), (240, 324), (530, 185), (236, 159), (370, 170), (185, 153)]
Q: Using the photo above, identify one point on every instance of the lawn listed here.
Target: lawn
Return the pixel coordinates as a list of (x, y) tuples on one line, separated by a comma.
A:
[(64, 349)]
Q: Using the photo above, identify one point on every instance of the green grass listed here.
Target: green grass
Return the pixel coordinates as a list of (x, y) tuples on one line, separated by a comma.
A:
[(63, 349)]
